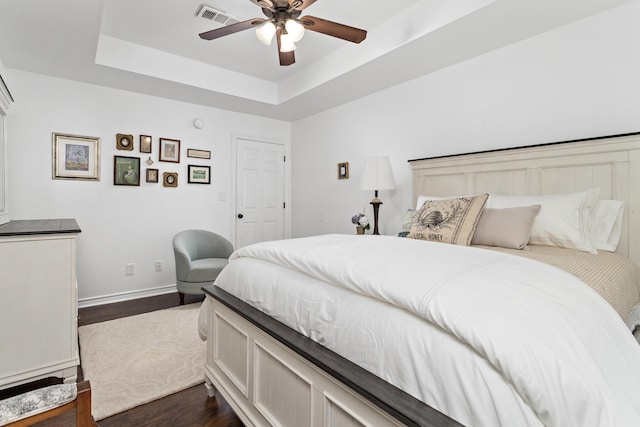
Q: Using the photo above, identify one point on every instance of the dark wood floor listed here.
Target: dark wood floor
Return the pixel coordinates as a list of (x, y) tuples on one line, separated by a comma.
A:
[(190, 407)]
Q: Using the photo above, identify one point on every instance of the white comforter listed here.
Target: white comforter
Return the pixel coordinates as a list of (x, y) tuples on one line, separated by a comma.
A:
[(486, 337)]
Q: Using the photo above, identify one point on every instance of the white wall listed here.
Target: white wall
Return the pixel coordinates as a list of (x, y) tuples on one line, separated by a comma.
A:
[(121, 224), (578, 81)]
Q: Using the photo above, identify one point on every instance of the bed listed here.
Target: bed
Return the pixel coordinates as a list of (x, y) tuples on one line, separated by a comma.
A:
[(442, 334)]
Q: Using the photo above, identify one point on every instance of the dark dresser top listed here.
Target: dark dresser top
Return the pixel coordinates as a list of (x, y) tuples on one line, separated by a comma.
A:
[(39, 226)]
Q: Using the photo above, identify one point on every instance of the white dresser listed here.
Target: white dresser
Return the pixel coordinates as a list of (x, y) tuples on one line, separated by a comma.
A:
[(38, 301)]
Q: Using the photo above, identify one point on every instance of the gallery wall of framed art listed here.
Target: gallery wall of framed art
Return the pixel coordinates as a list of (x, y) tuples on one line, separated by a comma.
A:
[(78, 157)]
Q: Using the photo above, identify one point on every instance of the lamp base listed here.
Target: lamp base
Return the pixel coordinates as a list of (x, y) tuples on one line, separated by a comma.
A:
[(376, 206)]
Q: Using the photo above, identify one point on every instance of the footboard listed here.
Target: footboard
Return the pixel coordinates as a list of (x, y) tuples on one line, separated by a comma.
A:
[(271, 375)]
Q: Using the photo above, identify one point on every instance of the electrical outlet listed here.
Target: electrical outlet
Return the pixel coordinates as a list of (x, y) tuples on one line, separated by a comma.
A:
[(159, 265), (130, 269)]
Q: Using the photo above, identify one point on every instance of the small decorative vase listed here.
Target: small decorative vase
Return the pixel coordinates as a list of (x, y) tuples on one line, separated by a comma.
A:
[(360, 230)]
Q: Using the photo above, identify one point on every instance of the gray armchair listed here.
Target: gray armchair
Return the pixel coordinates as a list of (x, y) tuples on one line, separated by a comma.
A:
[(200, 256)]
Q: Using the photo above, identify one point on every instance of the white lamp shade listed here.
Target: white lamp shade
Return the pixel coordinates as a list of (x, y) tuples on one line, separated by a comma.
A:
[(378, 174), (266, 32), (294, 29), (286, 44)]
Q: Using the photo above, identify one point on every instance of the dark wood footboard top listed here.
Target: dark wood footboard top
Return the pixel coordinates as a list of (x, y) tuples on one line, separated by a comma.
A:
[(402, 406), (39, 226)]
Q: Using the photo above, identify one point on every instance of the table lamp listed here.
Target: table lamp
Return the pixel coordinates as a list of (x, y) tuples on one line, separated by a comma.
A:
[(377, 176)]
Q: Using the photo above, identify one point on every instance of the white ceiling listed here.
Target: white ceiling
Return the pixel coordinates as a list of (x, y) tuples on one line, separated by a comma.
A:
[(153, 46)]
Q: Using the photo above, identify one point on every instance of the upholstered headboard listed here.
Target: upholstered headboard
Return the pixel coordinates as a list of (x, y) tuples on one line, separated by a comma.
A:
[(611, 163)]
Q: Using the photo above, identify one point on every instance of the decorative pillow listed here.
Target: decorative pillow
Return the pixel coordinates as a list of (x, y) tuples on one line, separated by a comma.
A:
[(564, 220), (506, 228), (448, 221), (606, 224), (422, 198), (409, 218)]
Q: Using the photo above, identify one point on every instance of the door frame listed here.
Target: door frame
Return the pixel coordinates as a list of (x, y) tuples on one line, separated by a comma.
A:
[(234, 189), (5, 102)]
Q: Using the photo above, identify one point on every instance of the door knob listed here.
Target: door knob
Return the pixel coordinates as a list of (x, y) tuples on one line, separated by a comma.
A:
[(240, 216)]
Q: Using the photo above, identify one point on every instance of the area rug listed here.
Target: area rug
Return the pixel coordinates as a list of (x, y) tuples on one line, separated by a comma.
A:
[(138, 359)]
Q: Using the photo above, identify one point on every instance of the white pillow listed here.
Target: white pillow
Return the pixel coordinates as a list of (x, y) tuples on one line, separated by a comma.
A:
[(564, 220), (606, 224)]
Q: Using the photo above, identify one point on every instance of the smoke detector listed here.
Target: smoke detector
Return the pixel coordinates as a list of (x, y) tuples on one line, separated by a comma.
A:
[(212, 14)]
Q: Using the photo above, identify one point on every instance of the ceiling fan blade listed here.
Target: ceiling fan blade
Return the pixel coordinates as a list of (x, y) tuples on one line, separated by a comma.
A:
[(300, 4), (334, 29), (230, 29), (265, 4), (286, 58)]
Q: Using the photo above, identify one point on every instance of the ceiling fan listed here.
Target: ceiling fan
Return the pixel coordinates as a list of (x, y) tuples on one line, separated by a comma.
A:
[(283, 20)]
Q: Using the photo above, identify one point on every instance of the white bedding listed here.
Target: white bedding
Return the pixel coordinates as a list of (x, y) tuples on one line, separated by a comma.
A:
[(485, 337)]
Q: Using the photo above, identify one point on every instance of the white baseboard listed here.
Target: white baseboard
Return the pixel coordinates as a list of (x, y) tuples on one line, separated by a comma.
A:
[(126, 296)]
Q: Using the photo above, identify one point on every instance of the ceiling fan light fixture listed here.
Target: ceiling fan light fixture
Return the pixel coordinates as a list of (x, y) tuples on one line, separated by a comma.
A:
[(283, 21), (266, 32), (286, 43), (294, 29)]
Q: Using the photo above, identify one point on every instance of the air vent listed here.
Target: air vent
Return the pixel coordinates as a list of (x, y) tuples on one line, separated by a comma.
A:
[(211, 14)]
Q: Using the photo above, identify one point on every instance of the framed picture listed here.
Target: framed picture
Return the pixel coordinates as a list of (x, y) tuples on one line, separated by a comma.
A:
[(124, 142), (343, 170), (169, 150), (199, 174), (145, 143), (126, 170), (170, 179), (198, 154), (76, 157), (152, 175)]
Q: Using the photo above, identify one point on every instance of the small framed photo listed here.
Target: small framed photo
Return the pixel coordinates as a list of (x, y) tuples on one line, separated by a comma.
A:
[(76, 157), (343, 170), (145, 143), (152, 175), (199, 174), (170, 179), (169, 150), (126, 170), (124, 142), (198, 154)]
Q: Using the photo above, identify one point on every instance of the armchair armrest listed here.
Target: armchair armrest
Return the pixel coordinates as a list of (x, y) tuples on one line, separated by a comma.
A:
[(183, 262)]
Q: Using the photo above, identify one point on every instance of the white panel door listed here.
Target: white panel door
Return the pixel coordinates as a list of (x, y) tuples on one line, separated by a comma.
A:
[(4, 212), (259, 192)]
